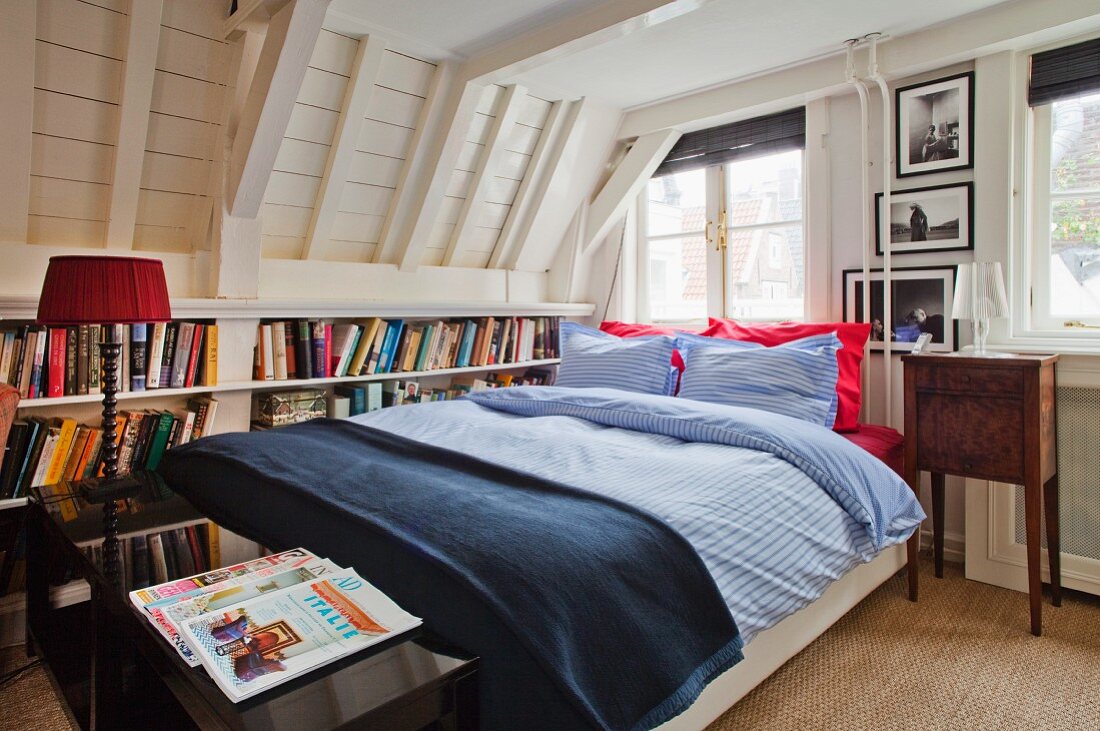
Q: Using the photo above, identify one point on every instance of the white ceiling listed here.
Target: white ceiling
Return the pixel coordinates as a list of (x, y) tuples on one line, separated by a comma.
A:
[(458, 27), (720, 41)]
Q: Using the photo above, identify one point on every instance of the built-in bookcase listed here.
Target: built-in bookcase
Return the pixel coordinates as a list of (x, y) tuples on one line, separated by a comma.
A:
[(237, 324)]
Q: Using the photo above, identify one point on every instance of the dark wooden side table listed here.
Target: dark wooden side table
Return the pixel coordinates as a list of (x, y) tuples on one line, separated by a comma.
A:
[(115, 671), (992, 419)]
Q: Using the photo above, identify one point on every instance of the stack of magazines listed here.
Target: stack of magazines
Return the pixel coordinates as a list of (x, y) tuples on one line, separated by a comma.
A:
[(261, 623)]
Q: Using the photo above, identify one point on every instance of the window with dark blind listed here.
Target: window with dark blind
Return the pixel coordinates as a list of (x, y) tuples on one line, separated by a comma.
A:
[(737, 141), (1065, 72), (1064, 239)]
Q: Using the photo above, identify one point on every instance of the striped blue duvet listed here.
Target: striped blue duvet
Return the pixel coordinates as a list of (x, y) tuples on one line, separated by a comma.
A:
[(776, 507)]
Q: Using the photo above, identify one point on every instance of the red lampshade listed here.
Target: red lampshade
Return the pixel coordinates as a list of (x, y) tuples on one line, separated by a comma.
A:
[(113, 290)]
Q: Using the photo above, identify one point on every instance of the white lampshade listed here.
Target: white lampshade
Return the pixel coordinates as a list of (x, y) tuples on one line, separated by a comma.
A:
[(980, 292)]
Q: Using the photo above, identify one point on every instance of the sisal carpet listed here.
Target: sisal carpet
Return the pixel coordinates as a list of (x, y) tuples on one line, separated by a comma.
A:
[(961, 658)]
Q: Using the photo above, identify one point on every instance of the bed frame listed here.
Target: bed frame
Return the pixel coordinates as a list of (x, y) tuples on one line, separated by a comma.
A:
[(773, 647)]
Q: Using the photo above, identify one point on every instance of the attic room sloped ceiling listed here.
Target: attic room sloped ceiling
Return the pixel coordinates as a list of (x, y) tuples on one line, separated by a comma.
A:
[(366, 150)]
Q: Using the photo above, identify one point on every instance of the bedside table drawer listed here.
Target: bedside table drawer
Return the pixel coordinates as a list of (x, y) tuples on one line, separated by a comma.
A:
[(976, 436), (991, 381)]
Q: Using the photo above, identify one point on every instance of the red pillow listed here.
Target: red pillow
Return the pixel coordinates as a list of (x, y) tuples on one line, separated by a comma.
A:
[(634, 330), (853, 336)]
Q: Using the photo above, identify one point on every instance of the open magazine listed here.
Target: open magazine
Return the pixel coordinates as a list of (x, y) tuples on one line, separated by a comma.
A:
[(260, 627)]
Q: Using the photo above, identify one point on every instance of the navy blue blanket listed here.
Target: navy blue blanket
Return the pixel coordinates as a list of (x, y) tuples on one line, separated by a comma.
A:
[(586, 612)]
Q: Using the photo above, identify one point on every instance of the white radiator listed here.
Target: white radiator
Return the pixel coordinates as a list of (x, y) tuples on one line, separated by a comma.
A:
[(1078, 474), (996, 550)]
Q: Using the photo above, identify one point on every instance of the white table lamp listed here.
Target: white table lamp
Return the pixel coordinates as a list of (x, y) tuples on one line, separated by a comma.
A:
[(980, 296)]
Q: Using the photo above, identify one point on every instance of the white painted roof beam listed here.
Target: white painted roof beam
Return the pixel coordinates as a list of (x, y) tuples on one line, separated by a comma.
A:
[(368, 60), (142, 41), (501, 130)]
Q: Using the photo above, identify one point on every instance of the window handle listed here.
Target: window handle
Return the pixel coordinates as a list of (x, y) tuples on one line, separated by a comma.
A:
[(721, 244)]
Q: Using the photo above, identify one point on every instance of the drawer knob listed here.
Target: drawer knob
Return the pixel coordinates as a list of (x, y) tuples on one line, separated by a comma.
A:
[(968, 465), (966, 379)]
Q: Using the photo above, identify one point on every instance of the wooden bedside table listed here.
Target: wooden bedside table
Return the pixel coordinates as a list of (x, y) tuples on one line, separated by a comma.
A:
[(992, 419)]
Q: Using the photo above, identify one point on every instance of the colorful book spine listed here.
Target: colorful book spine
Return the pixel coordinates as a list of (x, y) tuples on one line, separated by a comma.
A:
[(168, 352), (155, 353), (82, 353), (304, 353), (194, 356), (210, 356), (35, 389), (317, 335), (138, 355), (185, 338), (95, 363), (278, 347), (58, 336)]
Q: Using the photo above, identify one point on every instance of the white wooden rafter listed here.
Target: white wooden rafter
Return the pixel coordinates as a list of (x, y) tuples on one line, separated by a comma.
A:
[(288, 46), (235, 244), (368, 60), (504, 123), (142, 42), (555, 171), (417, 166), (625, 183), (448, 129), (18, 21), (601, 24), (536, 168)]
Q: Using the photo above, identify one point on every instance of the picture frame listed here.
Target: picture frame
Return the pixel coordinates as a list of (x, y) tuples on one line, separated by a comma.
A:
[(947, 213), (921, 299), (933, 125)]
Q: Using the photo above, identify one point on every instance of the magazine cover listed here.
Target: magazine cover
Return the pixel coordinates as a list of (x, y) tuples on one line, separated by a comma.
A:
[(171, 592), (276, 637), (168, 618)]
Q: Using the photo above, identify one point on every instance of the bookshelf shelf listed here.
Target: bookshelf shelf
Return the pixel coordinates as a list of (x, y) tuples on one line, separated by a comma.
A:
[(26, 307), (400, 375), (158, 393), (28, 403)]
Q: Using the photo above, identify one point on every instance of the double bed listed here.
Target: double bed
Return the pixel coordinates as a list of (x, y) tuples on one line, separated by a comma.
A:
[(618, 560)]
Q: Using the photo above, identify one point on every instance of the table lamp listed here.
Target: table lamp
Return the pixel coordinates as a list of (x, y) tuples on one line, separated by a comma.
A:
[(980, 296), (105, 290)]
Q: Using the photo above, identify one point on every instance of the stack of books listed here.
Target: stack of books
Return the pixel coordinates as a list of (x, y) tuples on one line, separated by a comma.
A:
[(258, 624), (45, 453), (317, 349), (352, 399), (65, 361)]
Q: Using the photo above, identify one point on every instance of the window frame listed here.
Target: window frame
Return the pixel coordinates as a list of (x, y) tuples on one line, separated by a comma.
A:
[(718, 298), (1040, 204), (1024, 332)]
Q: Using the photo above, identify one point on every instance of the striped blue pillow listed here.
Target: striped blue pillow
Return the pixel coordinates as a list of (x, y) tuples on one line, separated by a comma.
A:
[(594, 359), (795, 379)]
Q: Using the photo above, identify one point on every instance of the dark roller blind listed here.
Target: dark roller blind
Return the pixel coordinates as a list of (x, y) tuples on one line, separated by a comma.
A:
[(1065, 72), (738, 140)]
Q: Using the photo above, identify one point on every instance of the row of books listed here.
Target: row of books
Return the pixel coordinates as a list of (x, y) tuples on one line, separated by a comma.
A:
[(258, 624), (46, 453), (165, 556), (318, 349), (65, 361), (352, 399)]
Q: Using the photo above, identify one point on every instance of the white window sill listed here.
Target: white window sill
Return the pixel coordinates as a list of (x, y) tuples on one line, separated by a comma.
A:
[(1083, 343)]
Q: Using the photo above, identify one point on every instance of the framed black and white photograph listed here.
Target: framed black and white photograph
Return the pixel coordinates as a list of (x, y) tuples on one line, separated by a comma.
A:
[(934, 130), (939, 218), (921, 300)]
